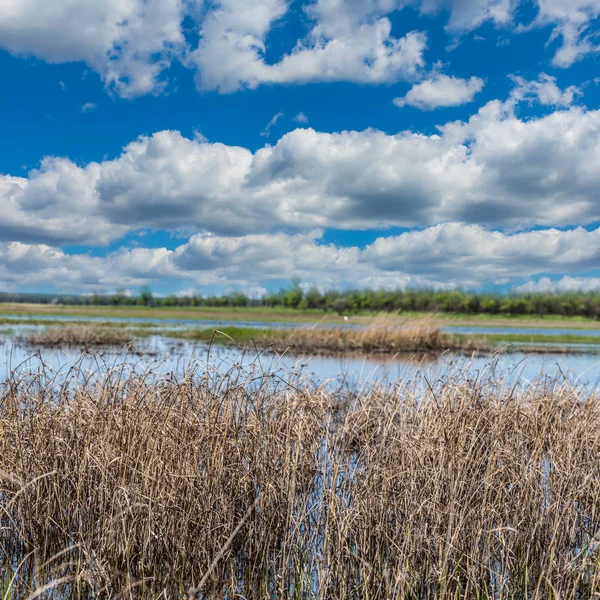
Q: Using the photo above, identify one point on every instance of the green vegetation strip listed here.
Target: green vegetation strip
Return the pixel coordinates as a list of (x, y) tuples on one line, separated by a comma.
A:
[(242, 335), (38, 314)]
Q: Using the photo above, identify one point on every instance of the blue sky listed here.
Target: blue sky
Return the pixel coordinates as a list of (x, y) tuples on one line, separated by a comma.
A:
[(203, 147)]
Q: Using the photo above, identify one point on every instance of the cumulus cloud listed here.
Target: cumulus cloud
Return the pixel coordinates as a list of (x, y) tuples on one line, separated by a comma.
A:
[(494, 169), (452, 254), (571, 21), (24, 266), (265, 256), (441, 90), (167, 181), (128, 42), (56, 204), (544, 90), (566, 284), (345, 44), (470, 14), (470, 253), (131, 43)]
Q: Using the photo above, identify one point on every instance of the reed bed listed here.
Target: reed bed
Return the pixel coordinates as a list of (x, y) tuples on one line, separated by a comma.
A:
[(82, 336), (242, 485), (378, 338)]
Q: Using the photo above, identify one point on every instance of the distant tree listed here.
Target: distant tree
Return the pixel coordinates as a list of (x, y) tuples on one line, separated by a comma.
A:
[(146, 296), (313, 299), (341, 305), (239, 299), (119, 297), (292, 296)]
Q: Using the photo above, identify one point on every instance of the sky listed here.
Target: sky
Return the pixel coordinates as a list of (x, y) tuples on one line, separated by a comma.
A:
[(204, 147)]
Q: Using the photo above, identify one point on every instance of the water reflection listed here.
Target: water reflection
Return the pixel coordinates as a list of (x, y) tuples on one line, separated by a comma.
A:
[(166, 355)]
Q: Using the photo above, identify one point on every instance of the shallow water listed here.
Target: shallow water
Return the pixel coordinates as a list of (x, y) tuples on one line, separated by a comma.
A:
[(177, 323), (216, 323), (470, 330), (166, 355)]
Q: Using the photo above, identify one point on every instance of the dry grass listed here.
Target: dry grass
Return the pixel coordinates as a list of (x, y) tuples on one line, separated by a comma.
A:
[(242, 487), (377, 338), (83, 336)]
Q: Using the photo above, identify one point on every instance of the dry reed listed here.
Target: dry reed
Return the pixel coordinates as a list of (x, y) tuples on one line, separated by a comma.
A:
[(236, 486), (87, 336), (378, 338)]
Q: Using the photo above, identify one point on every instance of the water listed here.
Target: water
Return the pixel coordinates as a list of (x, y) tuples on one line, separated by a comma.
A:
[(473, 330), (165, 355), (220, 323), (169, 355), (175, 323)]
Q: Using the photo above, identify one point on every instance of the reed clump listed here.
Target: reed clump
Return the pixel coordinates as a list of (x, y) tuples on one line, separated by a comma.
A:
[(378, 338), (232, 485), (373, 339), (83, 336)]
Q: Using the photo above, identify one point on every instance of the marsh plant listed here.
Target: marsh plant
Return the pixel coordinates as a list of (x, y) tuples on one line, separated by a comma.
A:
[(80, 336), (243, 485)]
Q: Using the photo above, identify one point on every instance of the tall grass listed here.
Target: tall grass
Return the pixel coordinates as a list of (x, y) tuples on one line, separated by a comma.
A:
[(238, 485), (83, 336), (379, 337)]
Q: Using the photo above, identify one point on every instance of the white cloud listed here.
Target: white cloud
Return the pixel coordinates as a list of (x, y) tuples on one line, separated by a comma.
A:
[(266, 132), (457, 252), (300, 118), (466, 15), (128, 42), (56, 204), (342, 46), (571, 20), (265, 257), (88, 106), (441, 90), (167, 182), (544, 90), (131, 43), (566, 284), (495, 169), (25, 266), (452, 254)]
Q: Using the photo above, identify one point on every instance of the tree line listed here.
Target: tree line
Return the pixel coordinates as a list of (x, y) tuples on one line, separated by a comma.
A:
[(350, 301)]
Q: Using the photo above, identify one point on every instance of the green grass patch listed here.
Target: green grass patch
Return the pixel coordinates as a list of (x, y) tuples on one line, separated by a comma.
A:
[(35, 313), (533, 339)]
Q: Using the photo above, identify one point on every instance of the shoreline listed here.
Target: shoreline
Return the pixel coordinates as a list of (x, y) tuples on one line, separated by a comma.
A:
[(37, 313), (369, 341)]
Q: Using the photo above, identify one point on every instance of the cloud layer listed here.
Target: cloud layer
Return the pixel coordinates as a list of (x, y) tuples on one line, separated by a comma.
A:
[(441, 90), (495, 169), (131, 43), (448, 255), (128, 42)]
